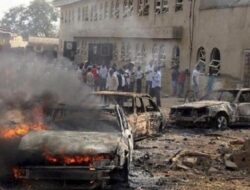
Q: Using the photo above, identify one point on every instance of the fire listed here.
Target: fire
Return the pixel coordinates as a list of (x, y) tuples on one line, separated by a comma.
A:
[(20, 130), (75, 160)]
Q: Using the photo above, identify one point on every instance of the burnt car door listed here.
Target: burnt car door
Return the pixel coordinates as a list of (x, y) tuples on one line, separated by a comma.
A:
[(154, 115), (126, 132), (243, 107)]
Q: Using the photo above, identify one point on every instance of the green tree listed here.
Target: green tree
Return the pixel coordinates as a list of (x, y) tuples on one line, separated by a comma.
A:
[(38, 19)]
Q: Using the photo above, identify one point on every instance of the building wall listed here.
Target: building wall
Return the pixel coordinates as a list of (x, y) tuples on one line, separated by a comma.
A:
[(228, 30), (151, 29), (217, 24), (151, 33)]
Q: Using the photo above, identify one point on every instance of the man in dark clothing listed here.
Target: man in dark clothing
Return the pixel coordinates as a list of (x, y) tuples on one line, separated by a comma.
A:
[(174, 78), (139, 77)]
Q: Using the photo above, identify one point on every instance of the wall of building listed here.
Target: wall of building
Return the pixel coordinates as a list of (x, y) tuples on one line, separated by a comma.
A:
[(228, 30)]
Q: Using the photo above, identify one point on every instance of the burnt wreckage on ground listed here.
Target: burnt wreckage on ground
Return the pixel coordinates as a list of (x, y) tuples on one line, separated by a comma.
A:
[(220, 109), (81, 148)]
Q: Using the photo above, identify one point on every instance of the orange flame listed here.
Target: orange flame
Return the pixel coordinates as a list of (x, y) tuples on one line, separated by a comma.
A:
[(75, 160), (21, 130)]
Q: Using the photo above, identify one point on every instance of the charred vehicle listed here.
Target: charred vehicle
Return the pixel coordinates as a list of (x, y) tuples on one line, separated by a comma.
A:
[(143, 114), (219, 109), (82, 148)]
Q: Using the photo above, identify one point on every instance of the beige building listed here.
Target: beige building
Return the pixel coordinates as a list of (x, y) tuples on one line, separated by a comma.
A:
[(209, 32)]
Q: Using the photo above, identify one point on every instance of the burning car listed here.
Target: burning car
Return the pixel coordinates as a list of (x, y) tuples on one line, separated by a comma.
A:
[(82, 148), (143, 114), (220, 109)]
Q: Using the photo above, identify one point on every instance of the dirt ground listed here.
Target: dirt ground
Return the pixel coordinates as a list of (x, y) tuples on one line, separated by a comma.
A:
[(158, 164)]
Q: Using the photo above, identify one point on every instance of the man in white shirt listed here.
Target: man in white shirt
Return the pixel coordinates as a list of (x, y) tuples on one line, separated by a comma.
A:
[(103, 73), (195, 81), (149, 75), (156, 85)]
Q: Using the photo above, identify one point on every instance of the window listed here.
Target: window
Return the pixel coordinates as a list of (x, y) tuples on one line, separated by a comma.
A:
[(150, 106), (73, 15), (69, 16), (101, 11), (139, 105), (106, 10), (161, 7), (66, 16), (179, 5), (116, 12), (62, 19), (83, 14), (201, 58), (87, 14), (92, 13), (79, 14), (165, 8), (245, 97), (112, 8), (214, 66), (127, 8), (143, 7), (95, 13)]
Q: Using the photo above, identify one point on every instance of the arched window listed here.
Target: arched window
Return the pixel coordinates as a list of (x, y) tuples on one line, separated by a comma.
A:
[(215, 60), (201, 58), (201, 54)]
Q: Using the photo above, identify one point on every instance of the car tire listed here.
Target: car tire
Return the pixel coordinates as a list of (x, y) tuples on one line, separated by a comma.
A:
[(221, 121), (121, 175)]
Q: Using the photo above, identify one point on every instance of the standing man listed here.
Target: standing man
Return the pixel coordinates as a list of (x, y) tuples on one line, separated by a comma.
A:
[(156, 85), (139, 77), (181, 83), (174, 77), (90, 79), (195, 81), (212, 74), (103, 73), (149, 75)]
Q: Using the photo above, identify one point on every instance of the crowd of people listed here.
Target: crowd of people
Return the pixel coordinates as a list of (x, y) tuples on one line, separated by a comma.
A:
[(128, 78)]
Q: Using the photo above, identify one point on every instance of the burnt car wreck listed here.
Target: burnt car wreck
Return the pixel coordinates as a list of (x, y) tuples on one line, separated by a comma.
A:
[(81, 149), (144, 116), (219, 109)]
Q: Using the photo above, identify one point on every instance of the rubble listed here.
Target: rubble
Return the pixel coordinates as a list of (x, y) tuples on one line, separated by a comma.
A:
[(230, 165)]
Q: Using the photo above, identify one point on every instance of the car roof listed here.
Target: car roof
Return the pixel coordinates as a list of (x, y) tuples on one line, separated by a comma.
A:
[(115, 93), (233, 89)]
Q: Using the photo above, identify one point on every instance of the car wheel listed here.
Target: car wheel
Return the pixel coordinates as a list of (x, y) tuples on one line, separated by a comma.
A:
[(221, 121), (121, 175)]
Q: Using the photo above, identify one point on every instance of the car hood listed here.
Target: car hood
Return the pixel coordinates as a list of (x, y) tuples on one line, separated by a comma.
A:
[(70, 142), (201, 104)]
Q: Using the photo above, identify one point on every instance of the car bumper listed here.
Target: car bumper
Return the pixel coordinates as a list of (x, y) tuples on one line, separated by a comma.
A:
[(63, 173), (189, 120)]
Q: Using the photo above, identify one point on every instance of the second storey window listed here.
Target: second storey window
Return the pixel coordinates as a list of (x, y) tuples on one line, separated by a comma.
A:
[(100, 11), (117, 9), (143, 7), (95, 13), (179, 5), (127, 8), (87, 14), (161, 7), (83, 14), (106, 10), (79, 14)]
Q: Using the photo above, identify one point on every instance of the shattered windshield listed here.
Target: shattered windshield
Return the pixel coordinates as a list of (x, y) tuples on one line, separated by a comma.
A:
[(88, 120), (226, 95)]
